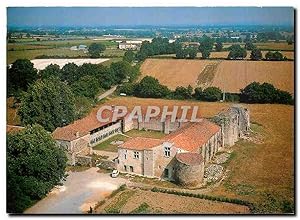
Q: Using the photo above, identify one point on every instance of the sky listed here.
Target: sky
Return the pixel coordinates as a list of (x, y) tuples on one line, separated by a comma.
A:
[(157, 16)]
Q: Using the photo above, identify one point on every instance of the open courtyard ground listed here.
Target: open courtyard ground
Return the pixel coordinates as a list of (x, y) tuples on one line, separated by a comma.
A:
[(228, 75)]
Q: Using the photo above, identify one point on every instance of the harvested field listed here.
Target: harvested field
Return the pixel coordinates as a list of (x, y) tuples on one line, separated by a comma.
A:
[(224, 54), (173, 72), (229, 75), (232, 76), (174, 204), (43, 63), (259, 172), (268, 46)]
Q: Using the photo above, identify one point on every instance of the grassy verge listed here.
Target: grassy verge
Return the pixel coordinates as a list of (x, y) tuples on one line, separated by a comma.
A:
[(143, 133), (144, 208)]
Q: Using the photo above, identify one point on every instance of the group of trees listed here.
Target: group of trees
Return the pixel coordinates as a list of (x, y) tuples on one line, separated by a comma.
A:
[(95, 49), (149, 87), (275, 56), (54, 97), (264, 93), (237, 52), (34, 166)]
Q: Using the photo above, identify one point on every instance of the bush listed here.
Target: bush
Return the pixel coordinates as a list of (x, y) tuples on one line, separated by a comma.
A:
[(149, 87), (211, 94)]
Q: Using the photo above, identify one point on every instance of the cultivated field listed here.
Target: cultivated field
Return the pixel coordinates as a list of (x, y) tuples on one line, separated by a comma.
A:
[(261, 172), (224, 54), (229, 75), (130, 201), (173, 72), (43, 63)]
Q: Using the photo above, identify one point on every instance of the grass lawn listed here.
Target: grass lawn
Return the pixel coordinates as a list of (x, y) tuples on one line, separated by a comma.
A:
[(143, 133), (107, 146)]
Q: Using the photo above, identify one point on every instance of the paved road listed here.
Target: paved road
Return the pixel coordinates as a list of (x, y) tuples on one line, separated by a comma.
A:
[(80, 191), (107, 93)]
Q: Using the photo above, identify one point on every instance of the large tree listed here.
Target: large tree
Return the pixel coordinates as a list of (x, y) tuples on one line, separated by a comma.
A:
[(129, 56), (49, 103), (123, 70), (34, 166), (149, 87), (50, 71), (95, 49), (70, 73), (237, 52), (20, 75), (256, 54), (86, 86), (219, 46), (206, 46)]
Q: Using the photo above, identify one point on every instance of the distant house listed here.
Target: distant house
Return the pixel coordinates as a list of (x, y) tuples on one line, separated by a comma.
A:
[(73, 48), (80, 47), (129, 46)]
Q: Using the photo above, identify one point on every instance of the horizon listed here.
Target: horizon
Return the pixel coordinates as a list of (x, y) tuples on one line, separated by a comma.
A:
[(149, 16)]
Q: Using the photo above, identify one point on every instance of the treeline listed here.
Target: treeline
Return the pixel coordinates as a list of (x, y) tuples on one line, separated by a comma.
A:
[(149, 87), (55, 96), (204, 45)]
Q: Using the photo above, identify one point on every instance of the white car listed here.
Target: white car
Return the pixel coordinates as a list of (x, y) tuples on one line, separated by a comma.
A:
[(114, 173)]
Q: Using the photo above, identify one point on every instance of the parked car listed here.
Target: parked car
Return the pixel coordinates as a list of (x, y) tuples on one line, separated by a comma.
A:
[(114, 173)]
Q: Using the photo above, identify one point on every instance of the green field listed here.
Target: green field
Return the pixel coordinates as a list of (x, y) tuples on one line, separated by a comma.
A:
[(30, 49)]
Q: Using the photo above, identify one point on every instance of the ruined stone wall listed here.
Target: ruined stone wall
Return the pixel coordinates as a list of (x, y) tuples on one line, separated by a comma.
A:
[(83, 160), (188, 175)]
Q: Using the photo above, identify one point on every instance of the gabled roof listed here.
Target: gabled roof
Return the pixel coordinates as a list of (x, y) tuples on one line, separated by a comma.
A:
[(193, 135), (141, 143)]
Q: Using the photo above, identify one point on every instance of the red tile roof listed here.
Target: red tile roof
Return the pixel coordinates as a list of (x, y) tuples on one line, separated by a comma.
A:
[(141, 143), (13, 128), (82, 126), (189, 158), (193, 135)]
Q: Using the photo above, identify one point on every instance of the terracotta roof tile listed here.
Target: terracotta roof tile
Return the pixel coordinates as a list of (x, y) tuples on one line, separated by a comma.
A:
[(190, 158), (13, 128), (141, 143), (193, 135)]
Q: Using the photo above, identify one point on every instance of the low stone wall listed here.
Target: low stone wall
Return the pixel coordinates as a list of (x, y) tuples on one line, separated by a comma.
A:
[(83, 160)]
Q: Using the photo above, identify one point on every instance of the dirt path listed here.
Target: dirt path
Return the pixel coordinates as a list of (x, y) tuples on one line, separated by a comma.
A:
[(107, 93)]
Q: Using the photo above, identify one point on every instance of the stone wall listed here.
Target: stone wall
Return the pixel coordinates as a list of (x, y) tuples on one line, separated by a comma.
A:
[(126, 159), (83, 160), (189, 175), (105, 133)]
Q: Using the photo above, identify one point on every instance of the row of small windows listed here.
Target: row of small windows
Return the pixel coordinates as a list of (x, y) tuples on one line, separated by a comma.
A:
[(136, 154), (105, 135)]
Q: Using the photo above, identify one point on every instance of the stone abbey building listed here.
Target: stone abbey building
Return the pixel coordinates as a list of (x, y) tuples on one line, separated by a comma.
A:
[(179, 156)]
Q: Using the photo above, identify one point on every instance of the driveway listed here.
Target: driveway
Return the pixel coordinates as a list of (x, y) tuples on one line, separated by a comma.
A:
[(80, 191)]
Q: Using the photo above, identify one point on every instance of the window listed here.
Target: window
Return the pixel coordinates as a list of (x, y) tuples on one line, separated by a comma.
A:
[(125, 156), (166, 173), (131, 168), (136, 155), (167, 151), (125, 167)]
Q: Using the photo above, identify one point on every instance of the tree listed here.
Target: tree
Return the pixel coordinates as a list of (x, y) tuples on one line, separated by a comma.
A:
[(276, 56), (122, 70), (86, 86), (149, 87), (83, 106), (211, 94), (181, 53), (198, 93), (70, 73), (237, 52), (219, 46), (127, 88), (256, 54), (34, 166), (28, 35), (20, 75), (205, 54), (249, 45), (264, 93), (183, 93), (49, 103), (206, 46), (95, 49), (52, 70), (192, 52), (129, 56)]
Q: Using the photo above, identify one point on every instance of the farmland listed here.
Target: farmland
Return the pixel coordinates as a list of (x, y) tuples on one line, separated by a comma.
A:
[(260, 172), (43, 63), (230, 76), (32, 49), (145, 202)]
